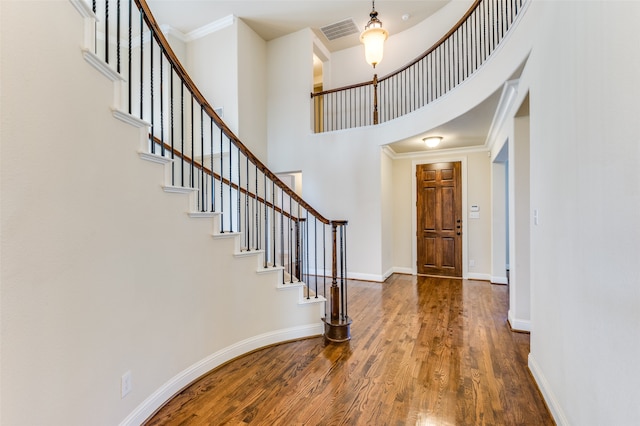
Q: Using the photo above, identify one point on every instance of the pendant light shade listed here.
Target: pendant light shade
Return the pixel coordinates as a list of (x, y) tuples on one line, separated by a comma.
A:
[(373, 38)]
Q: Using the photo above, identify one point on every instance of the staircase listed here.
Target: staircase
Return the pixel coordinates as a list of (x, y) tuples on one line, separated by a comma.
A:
[(271, 248)]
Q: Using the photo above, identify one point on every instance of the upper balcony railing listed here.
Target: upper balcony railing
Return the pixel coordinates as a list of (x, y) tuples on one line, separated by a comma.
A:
[(444, 66)]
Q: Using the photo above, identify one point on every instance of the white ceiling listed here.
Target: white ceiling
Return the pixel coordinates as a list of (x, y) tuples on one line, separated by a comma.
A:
[(272, 19)]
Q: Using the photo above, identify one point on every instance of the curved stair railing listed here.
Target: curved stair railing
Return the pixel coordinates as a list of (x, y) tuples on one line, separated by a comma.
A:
[(207, 159), (443, 67)]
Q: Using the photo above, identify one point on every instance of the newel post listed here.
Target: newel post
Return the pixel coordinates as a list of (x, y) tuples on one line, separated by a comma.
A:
[(337, 325), (375, 99)]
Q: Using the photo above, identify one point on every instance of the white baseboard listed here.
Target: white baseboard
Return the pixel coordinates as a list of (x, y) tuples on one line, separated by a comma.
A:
[(402, 270), (499, 280), (547, 393), (197, 370), (476, 276), (518, 324)]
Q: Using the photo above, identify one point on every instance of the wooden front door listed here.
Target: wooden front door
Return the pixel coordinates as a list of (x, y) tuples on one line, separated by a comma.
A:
[(439, 216)]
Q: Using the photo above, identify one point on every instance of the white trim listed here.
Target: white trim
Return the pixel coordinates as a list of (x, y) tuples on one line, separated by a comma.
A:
[(223, 235), (499, 280), (83, 9), (507, 99), (402, 270), (476, 276), (154, 158), (517, 324), (414, 199), (197, 370), (248, 253), (365, 277), (433, 154), (175, 189), (211, 28), (203, 214), (547, 393), (130, 119), (101, 66), (168, 30)]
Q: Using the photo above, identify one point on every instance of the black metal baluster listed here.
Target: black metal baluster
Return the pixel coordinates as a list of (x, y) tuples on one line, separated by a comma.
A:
[(306, 247), (230, 189), (282, 233), (182, 133), (238, 213), (171, 130), (213, 193), (129, 72), (118, 36), (106, 31), (315, 252), (291, 236), (256, 211), (266, 221), (153, 130), (192, 167), (342, 298), (95, 28), (221, 186), (247, 236), (141, 65), (273, 219), (202, 189), (161, 102), (324, 261)]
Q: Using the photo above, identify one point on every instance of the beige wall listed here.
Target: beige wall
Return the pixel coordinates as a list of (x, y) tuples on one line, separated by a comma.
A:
[(476, 175), (102, 272)]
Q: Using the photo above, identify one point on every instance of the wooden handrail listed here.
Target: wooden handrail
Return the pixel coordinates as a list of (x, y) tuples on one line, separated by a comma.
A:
[(188, 82), (224, 180), (473, 7), (438, 43)]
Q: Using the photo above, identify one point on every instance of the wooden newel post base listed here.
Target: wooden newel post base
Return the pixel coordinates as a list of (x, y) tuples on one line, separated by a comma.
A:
[(337, 326)]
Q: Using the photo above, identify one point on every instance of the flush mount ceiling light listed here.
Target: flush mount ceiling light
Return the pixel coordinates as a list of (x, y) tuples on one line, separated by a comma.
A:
[(373, 38), (432, 141)]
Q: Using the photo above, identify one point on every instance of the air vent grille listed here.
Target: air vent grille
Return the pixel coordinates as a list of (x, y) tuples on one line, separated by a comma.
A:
[(340, 29)]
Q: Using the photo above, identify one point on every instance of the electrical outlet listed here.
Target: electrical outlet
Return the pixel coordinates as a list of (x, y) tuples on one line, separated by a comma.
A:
[(126, 384), (472, 263)]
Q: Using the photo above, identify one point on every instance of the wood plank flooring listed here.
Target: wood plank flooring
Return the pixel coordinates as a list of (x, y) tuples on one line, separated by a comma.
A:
[(424, 351)]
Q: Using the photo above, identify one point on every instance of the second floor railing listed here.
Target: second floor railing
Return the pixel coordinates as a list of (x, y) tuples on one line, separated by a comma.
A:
[(444, 66)]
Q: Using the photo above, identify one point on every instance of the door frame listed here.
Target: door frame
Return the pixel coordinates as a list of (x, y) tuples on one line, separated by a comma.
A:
[(414, 207)]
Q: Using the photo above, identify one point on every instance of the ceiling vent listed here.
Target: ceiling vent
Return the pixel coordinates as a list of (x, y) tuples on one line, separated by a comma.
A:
[(340, 29)]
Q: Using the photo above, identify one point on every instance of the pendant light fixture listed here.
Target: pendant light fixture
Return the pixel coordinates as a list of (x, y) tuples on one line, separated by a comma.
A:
[(373, 38)]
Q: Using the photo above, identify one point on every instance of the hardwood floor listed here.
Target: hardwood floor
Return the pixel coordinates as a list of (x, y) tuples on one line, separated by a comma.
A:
[(424, 351)]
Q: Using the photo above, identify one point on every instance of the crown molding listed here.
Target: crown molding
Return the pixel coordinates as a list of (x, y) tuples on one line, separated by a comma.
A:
[(432, 154), (211, 28)]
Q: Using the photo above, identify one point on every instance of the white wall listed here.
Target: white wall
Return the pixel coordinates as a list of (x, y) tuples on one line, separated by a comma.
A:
[(582, 77), (252, 91), (386, 208), (102, 272), (212, 63)]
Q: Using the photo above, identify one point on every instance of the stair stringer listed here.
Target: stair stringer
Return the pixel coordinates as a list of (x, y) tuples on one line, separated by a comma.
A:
[(263, 312)]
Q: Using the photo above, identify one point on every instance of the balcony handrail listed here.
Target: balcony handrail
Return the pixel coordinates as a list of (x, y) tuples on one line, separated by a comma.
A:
[(453, 58)]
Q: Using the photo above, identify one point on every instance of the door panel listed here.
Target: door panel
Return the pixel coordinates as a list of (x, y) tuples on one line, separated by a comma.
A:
[(439, 218)]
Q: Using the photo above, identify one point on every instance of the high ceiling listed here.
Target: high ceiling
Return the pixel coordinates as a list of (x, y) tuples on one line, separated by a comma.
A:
[(272, 19)]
